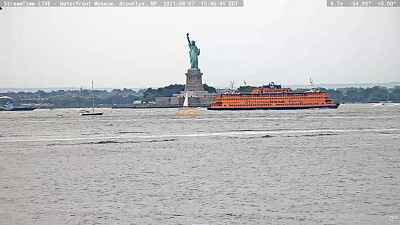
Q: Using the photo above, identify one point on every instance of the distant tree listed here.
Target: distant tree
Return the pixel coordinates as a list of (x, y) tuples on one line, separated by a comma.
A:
[(395, 94), (60, 92), (41, 94), (128, 91), (168, 91), (67, 101), (379, 93), (246, 88), (374, 94), (335, 94), (84, 92), (352, 95), (151, 94), (209, 89), (141, 91)]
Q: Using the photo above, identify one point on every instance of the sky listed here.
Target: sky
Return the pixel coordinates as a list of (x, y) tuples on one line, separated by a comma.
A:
[(287, 41)]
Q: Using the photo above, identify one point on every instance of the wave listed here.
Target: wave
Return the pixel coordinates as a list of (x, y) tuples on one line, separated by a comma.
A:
[(221, 119), (132, 132), (216, 134), (112, 142)]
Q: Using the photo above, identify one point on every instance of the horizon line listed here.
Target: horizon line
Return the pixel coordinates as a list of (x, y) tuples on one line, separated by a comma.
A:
[(102, 88)]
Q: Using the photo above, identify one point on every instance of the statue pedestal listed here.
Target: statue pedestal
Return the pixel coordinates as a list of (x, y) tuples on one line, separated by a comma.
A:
[(194, 81)]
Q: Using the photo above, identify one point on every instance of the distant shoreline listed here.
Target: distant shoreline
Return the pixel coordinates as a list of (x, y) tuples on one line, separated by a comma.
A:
[(177, 107), (294, 86)]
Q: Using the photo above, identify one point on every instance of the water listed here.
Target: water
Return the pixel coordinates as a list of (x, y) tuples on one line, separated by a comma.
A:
[(148, 166)]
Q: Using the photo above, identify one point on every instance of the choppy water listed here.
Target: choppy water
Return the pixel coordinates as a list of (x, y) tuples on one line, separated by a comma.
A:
[(241, 167)]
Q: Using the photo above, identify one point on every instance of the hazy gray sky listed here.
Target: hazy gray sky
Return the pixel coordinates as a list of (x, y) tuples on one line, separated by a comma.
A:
[(287, 41)]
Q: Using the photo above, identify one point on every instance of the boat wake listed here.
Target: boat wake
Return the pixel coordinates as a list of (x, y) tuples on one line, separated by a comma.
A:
[(112, 142)]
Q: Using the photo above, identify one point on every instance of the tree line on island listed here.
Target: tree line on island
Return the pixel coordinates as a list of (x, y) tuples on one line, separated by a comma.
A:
[(103, 98)]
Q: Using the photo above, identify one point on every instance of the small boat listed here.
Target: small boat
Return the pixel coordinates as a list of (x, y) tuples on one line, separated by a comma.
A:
[(10, 107), (381, 103), (90, 113)]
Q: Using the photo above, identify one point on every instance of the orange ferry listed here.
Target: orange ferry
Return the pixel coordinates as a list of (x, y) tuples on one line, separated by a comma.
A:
[(273, 96)]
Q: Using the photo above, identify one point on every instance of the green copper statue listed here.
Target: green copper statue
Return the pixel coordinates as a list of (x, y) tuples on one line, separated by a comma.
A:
[(193, 53)]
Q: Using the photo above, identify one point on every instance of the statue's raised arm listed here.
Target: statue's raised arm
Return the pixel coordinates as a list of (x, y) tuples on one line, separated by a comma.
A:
[(187, 35)]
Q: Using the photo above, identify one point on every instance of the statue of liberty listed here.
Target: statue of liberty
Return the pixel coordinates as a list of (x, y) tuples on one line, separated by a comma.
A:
[(193, 53)]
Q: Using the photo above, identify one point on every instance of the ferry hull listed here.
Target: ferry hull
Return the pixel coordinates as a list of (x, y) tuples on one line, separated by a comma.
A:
[(275, 108)]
